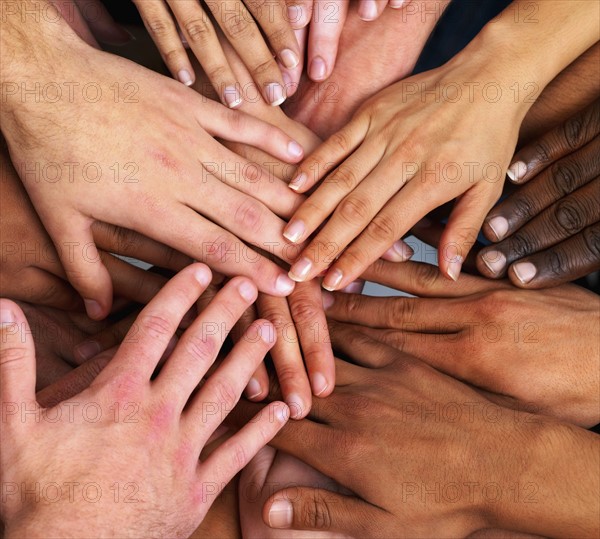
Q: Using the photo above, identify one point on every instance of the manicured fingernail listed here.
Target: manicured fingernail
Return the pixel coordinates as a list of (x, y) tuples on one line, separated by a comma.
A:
[(328, 299), (284, 285), (396, 4), (247, 290), (233, 98), (87, 350), (499, 226), (203, 275), (494, 260), (295, 150), (368, 10), (7, 317), (294, 231), (399, 252), (525, 271), (296, 404), (318, 69), (185, 77), (93, 308), (281, 515), (275, 94), (332, 280), (289, 58), (282, 412), (253, 389), (454, 267), (300, 270), (516, 172), (296, 16), (355, 287), (319, 384), (298, 182)]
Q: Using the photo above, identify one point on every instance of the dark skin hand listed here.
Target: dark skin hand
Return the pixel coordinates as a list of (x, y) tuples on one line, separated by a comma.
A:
[(548, 231)]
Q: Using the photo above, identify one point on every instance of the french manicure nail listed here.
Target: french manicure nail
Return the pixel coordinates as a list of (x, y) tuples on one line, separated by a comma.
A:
[(295, 150), (296, 405), (298, 182), (253, 388), (7, 317), (525, 271), (328, 299), (499, 226), (289, 58), (294, 231), (295, 16), (233, 97), (494, 260), (275, 94), (454, 267), (400, 252), (300, 270), (203, 276), (396, 4), (247, 290), (281, 514), (516, 172), (282, 413), (368, 10), (318, 69), (319, 384), (87, 350), (284, 285), (185, 77), (93, 308), (332, 280)]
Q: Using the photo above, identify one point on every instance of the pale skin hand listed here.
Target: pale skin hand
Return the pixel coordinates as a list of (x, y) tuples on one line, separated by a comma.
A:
[(176, 488), (386, 433), (393, 164), (515, 343), (167, 174)]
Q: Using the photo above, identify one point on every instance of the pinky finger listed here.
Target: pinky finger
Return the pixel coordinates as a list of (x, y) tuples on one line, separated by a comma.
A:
[(565, 262)]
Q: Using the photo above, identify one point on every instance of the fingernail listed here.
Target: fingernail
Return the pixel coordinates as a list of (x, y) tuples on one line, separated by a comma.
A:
[(525, 271), (516, 172), (328, 299), (247, 290), (87, 350), (295, 150), (253, 389), (284, 285), (93, 308), (319, 384), (494, 260), (233, 98), (282, 413), (7, 317), (185, 77), (454, 267), (332, 280), (499, 226), (203, 276), (318, 69), (355, 287), (368, 10), (289, 58), (296, 16), (294, 231), (399, 252), (396, 4), (298, 182), (300, 270), (281, 514), (275, 94), (296, 405)]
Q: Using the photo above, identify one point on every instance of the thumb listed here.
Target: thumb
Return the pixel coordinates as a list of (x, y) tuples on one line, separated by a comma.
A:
[(303, 508), (17, 359)]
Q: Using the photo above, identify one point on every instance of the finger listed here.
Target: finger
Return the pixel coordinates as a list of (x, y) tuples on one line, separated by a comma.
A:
[(287, 356), (148, 338), (556, 144), (255, 474), (161, 27), (201, 342), (306, 307), (326, 28), (258, 386), (369, 10), (557, 181), (242, 32), (201, 36), (565, 219), (570, 260), (304, 508), (17, 362), (299, 13), (235, 453)]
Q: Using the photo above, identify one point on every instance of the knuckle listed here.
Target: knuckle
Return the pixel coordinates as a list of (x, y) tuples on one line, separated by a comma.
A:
[(224, 392), (263, 67), (354, 210), (217, 250), (591, 237), (569, 217), (159, 27), (558, 262), (344, 177), (237, 26), (315, 512), (249, 215), (523, 208), (574, 132), (425, 276), (565, 174), (199, 30), (382, 228), (156, 325), (218, 72), (340, 141), (12, 354), (542, 151), (305, 311), (278, 35), (400, 310), (201, 349), (522, 244)]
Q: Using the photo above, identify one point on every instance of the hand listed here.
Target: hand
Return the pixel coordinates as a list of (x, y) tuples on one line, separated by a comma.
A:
[(152, 450), (427, 456), (243, 23), (515, 343), (548, 231), (166, 177)]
